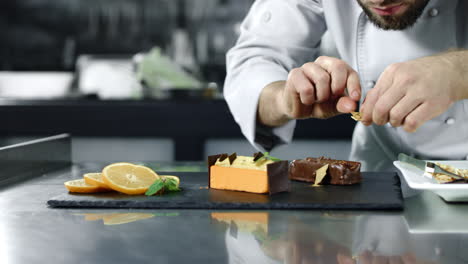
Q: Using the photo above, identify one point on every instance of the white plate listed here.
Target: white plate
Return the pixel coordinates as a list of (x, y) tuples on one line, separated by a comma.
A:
[(455, 192)]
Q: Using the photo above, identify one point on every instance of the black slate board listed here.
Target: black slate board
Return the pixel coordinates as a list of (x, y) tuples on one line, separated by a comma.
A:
[(378, 191)]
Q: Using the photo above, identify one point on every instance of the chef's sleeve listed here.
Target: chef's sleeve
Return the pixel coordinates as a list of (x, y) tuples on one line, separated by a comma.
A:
[(275, 37)]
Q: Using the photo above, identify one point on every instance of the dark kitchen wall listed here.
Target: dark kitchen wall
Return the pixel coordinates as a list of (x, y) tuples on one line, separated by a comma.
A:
[(50, 34), (213, 27)]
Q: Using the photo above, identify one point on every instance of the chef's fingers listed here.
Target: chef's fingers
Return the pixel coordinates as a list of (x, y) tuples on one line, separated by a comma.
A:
[(384, 105), (320, 78), (386, 79), (417, 117), (402, 109), (301, 85), (338, 71), (346, 105), (383, 84), (367, 108), (354, 86), (342, 76)]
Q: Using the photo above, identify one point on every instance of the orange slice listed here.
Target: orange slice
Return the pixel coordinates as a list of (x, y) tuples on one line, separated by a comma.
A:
[(80, 186), (95, 179), (128, 178)]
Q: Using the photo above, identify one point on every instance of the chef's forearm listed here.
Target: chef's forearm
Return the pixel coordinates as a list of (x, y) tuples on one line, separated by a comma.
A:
[(458, 59), (463, 59), (269, 111)]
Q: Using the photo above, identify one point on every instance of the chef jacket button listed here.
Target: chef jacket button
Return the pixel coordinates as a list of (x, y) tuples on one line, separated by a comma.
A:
[(437, 251), (266, 17), (433, 12), (450, 121), (370, 84)]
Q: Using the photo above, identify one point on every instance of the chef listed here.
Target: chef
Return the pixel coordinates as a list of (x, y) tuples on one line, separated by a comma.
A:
[(402, 63)]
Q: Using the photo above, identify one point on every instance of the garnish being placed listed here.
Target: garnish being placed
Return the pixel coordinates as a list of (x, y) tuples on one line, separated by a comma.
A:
[(357, 116), (259, 156), (166, 183), (267, 155)]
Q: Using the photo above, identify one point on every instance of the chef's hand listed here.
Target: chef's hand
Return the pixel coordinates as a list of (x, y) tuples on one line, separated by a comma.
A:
[(369, 258), (410, 93), (320, 89)]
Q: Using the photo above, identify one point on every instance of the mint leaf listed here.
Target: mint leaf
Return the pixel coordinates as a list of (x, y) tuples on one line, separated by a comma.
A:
[(155, 187), (163, 184), (267, 155), (260, 235), (171, 185)]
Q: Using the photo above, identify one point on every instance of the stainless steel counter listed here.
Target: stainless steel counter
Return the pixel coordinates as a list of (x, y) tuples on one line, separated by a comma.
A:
[(30, 232), (427, 231)]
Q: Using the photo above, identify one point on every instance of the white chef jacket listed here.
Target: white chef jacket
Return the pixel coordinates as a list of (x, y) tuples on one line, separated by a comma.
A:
[(279, 35)]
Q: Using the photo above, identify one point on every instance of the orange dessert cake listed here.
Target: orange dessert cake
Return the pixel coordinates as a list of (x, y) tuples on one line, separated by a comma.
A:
[(255, 174)]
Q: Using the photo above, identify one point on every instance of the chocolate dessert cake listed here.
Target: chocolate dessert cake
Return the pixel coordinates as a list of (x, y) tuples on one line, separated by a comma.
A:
[(340, 172)]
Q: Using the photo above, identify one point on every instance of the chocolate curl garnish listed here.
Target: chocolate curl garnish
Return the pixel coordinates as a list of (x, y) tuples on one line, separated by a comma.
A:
[(257, 156), (223, 157), (232, 158)]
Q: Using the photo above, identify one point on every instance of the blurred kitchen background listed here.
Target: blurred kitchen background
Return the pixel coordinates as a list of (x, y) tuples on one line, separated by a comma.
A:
[(60, 57), (70, 37)]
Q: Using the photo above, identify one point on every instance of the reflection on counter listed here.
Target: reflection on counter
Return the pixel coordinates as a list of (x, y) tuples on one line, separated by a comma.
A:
[(220, 237), (244, 221), (117, 219), (263, 237), (122, 218), (253, 237)]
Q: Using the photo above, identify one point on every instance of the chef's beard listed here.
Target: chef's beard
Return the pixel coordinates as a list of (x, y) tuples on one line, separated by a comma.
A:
[(397, 22)]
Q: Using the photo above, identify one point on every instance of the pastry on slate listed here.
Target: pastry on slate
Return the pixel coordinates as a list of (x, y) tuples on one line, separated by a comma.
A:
[(339, 172), (255, 174)]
